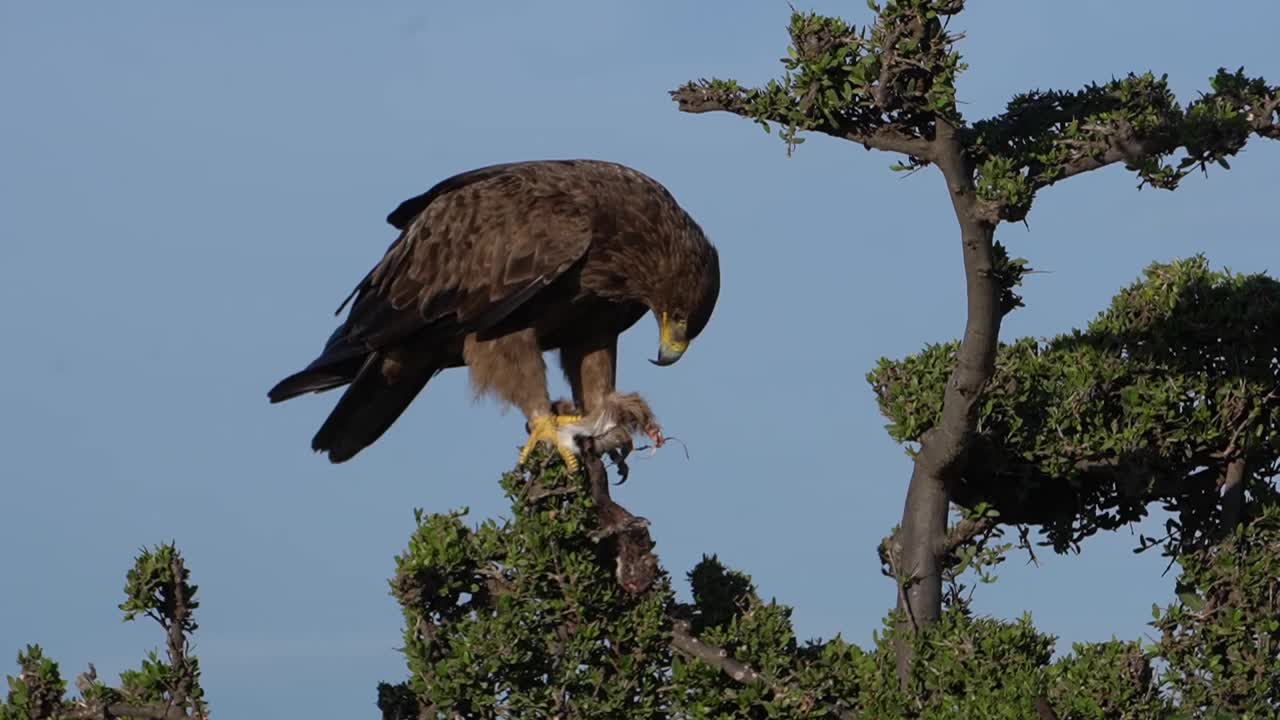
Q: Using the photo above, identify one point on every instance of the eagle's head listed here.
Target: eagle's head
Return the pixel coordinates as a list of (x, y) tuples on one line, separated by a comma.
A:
[(685, 305)]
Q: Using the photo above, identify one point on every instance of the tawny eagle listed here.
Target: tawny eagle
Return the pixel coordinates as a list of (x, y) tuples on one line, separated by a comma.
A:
[(493, 267)]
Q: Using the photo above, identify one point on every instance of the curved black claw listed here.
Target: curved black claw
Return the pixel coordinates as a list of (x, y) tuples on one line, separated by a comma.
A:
[(619, 457)]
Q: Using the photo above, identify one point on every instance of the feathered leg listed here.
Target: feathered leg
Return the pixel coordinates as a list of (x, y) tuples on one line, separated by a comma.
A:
[(591, 370), (608, 416), (511, 367)]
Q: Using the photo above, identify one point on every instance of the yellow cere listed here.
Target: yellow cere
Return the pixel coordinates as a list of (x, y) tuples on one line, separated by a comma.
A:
[(665, 334)]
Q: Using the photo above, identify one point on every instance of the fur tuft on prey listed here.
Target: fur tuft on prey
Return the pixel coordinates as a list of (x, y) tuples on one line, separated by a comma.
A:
[(620, 417)]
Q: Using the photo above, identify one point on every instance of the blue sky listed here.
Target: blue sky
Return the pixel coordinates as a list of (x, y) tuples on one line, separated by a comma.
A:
[(187, 190)]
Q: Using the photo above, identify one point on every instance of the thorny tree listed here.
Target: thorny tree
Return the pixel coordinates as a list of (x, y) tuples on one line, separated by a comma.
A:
[(891, 87), (1171, 395)]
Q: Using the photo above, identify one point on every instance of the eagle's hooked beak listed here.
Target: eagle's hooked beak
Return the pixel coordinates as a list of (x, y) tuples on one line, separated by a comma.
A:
[(672, 341)]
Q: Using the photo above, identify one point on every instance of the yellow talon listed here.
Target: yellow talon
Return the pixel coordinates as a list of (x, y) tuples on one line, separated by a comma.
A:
[(545, 428), (570, 462)]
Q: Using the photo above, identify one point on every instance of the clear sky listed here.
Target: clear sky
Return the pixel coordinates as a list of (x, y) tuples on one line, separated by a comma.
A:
[(187, 190)]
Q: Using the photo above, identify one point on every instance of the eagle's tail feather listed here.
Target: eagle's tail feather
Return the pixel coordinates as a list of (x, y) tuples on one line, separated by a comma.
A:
[(305, 382), (316, 377), (367, 408)]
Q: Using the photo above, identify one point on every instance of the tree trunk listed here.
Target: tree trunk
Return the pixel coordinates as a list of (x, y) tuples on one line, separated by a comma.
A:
[(917, 562), (919, 546)]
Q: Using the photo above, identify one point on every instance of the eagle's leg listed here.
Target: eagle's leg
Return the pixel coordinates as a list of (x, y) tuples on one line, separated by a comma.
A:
[(609, 418), (511, 367), (590, 368)]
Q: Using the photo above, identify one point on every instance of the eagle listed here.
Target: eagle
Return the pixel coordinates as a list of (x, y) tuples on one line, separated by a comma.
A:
[(495, 266)]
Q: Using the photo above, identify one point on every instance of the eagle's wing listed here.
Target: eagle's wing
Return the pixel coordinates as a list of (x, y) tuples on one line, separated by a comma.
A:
[(471, 250), (480, 245)]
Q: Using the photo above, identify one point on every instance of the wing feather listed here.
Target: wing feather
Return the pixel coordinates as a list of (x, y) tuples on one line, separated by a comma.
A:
[(474, 252)]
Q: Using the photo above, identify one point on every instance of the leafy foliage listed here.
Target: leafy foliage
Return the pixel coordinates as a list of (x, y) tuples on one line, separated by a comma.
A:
[(898, 73), (509, 618), (1045, 136), (890, 83), (496, 635), (156, 586), (1169, 396), (37, 690), (1222, 638), (1082, 432), (1112, 679)]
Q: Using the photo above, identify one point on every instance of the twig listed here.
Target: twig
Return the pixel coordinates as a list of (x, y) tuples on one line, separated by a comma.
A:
[(887, 58), (717, 657), (684, 642), (156, 711), (906, 606), (534, 492), (1024, 542), (966, 531), (697, 98)]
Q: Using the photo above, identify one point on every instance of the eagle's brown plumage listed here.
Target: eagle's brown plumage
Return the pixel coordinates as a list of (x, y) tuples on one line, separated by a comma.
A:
[(496, 265)]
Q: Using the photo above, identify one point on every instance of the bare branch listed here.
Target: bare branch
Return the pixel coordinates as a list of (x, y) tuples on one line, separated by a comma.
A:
[(154, 711), (177, 635), (966, 531), (684, 642), (1262, 122), (887, 58)]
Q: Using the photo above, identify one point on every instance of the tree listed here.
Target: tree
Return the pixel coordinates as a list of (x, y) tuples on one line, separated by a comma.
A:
[(1171, 395), (158, 586), (891, 87)]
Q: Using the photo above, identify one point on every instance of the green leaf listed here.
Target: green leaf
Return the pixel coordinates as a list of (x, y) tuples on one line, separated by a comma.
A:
[(1193, 601)]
